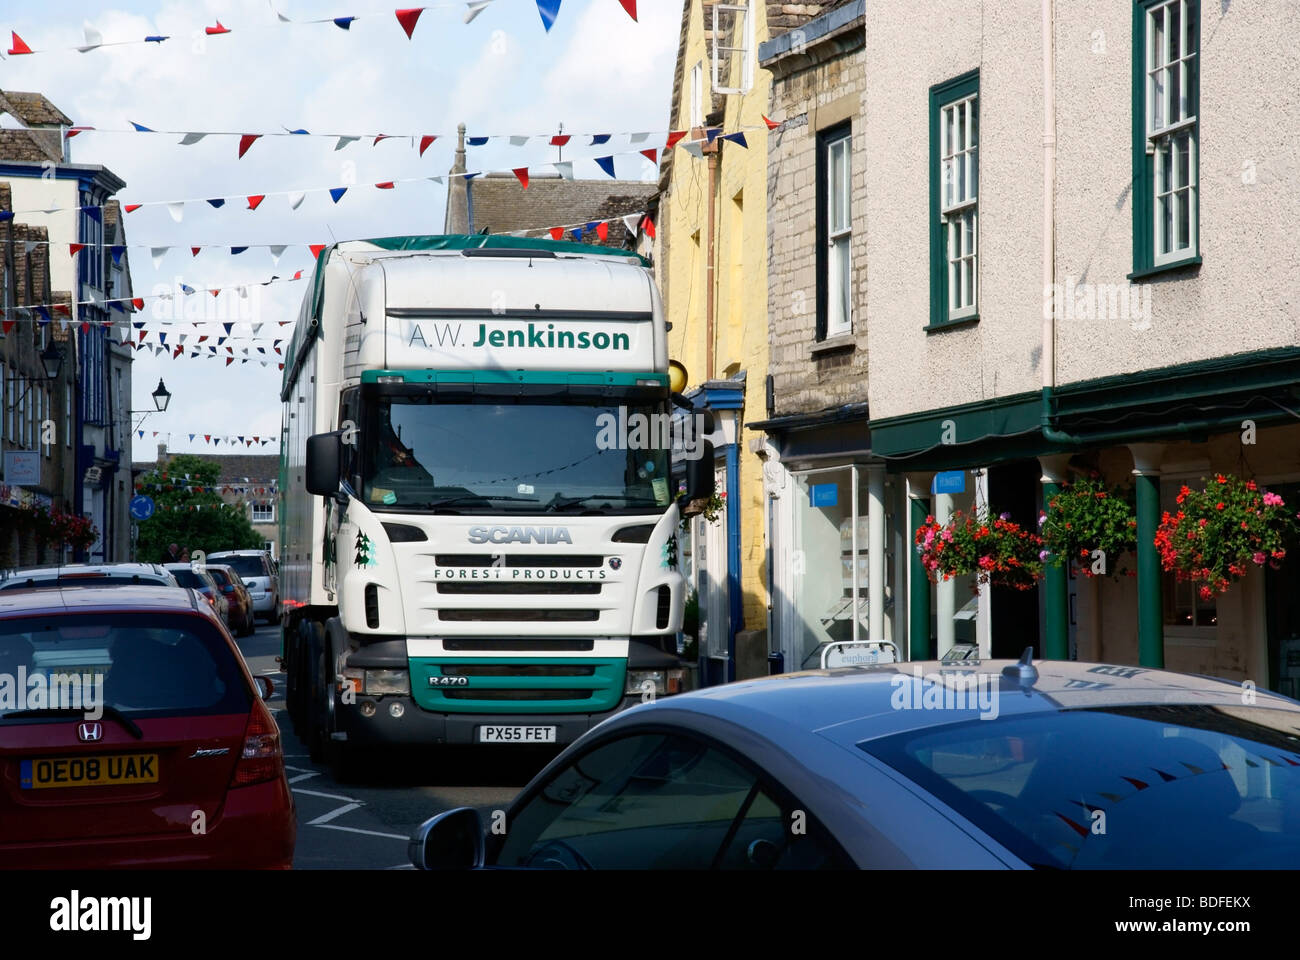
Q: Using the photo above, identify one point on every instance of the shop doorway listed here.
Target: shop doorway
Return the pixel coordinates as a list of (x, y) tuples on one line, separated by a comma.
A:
[(1282, 614), (1014, 488)]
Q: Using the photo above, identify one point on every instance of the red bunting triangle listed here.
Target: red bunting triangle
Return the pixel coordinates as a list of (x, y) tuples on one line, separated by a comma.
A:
[(215, 293), (280, 365), (771, 124), (522, 174), (132, 207), (85, 327), (315, 249), (207, 438), (557, 233), (202, 338), (560, 140), (298, 275), (602, 230), (424, 143), (630, 7), (176, 353), (386, 185), (19, 46), (648, 226), (7, 325), (245, 141), (408, 18), (75, 248), (382, 136), (652, 155), (229, 360), (255, 200), (195, 250), (213, 31), (673, 137), (138, 303)]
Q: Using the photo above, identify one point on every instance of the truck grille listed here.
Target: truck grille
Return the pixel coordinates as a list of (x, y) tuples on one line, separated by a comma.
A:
[(489, 587), (664, 608), (518, 670), (519, 560), (535, 645), (518, 694), (538, 615)]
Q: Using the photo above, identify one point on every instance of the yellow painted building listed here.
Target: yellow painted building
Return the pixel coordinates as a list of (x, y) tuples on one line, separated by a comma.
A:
[(711, 254)]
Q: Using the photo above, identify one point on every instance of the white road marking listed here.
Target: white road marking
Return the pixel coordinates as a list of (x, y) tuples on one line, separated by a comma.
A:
[(337, 812), (304, 776), (329, 796), (402, 866), (369, 833)]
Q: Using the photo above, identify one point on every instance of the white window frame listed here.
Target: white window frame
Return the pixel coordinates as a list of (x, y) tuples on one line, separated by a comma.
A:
[(744, 9), (253, 508), (959, 201), (839, 309), (1163, 133)]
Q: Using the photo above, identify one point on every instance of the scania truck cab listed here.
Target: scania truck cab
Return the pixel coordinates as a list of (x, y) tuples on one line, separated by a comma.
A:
[(479, 499)]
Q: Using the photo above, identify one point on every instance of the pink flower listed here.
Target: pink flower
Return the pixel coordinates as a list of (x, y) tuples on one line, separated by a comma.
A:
[(1258, 558), (947, 535), (1272, 500)]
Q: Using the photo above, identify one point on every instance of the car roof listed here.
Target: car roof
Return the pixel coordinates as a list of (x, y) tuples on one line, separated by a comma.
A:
[(851, 704), (63, 569), (238, 553), (144, 598)]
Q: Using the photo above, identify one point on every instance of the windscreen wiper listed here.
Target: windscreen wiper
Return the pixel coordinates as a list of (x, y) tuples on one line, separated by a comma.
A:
[(131, 726), (472, 497), (562, 503)]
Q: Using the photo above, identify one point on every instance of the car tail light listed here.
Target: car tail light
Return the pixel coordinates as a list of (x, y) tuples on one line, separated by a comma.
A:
[(261, 758)]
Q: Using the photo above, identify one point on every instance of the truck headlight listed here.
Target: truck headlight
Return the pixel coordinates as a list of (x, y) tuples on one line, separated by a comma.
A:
[(643, 681), (379, 682)]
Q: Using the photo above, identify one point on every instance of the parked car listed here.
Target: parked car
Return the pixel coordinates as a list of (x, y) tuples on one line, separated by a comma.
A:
[(241, 618), (86, 575), (1057, 765), (196, 578), (259, 571), (181, 737)]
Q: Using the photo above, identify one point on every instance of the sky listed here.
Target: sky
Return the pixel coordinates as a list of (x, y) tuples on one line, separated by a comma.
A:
[(595, 71)]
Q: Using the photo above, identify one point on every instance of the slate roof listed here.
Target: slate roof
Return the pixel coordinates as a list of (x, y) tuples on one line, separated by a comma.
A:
[(500, 204)]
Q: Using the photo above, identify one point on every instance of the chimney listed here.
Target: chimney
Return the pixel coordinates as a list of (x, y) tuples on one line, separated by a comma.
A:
[(457, 219)]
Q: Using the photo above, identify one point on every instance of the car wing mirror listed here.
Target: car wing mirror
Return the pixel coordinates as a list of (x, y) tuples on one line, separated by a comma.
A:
[(449, 841)]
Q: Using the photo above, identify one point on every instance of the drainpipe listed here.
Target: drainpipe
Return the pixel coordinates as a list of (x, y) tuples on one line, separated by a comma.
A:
[(712, 150), (1048, 358)]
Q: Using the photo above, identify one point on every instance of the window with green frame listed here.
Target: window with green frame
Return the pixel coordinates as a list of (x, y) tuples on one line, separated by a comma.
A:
[(954, 201), (1166, 134)]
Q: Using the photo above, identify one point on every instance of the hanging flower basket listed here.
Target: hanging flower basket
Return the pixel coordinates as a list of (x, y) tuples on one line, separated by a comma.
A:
[(1086, 517), (1218, 533), (57, 528), (998, 551)]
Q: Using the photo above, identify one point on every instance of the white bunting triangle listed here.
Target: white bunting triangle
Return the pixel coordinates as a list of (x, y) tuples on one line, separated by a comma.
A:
[(158, 253), (344, 141), (191, 138), (475, 8), (177, 209), (277, 252), (564, 168), (93, 38), (694, 148), (296, 199), (631, 223), (639, 138), (517, 141)]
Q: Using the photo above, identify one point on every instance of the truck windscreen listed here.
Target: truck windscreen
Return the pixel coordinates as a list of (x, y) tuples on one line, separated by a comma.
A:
[(515, 455)]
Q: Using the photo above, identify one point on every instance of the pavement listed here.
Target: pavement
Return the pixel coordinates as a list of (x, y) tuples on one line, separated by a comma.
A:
[(365, 825)]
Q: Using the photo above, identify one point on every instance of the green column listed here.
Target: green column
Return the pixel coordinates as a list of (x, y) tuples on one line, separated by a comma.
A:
[(1151, 627), (1056, 601), (920, 642)]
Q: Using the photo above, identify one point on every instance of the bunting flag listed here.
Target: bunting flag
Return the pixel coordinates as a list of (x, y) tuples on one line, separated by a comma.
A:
[(549, 10), (606, 164), (737, 138), (630, 7), (408, 19), (771, 124), (245, 141), (522, 174)]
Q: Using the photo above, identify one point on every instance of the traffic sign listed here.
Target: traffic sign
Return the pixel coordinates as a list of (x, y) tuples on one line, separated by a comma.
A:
[(142, 507)]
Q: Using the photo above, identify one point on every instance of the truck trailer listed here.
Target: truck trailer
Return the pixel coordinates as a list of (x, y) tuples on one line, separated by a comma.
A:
[(479, 498)]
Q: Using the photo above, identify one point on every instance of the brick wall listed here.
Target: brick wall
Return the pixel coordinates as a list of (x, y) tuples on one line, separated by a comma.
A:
[(809, 96)]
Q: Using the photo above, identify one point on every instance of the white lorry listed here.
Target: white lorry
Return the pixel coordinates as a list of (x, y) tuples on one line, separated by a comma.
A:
[(478, 494)]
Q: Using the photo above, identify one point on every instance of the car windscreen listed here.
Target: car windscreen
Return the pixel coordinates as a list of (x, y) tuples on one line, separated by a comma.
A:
[(61, 583), (141, 664), (190, 578), (1169, 786), (247, 566)]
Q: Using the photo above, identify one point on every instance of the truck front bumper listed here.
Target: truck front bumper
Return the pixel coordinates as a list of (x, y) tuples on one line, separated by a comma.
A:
[(415, 726)]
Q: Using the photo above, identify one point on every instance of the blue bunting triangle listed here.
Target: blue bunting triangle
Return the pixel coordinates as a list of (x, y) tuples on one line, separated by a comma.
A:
[(117, 250), (343, 22), (737, 137), (606, 164), (598, 139), (336, 193), (218, 202), (549, 10), (476, 141)]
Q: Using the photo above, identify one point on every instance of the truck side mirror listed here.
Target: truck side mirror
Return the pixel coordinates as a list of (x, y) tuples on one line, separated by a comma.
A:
[(699, 474), (323, 456)]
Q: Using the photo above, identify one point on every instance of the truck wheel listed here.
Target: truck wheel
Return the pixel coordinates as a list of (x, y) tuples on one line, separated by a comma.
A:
[(317, 713)]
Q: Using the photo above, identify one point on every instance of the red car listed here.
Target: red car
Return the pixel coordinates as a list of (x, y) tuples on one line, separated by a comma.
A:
[(164, 755)]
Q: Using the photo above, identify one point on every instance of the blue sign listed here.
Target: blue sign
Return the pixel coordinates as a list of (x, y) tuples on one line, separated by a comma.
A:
[(141, 507), (950, 481), (825, 494)]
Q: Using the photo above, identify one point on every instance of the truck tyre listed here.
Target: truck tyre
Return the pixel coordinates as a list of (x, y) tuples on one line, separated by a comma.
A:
[(317, 713), (293, 685)]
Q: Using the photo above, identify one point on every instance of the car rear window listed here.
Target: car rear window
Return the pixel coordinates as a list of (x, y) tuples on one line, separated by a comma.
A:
[(219, 576), (51, 583), (247, 566), (142, 664), (1167, 786)]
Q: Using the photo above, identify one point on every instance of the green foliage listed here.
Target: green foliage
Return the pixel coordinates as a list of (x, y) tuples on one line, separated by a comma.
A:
[(191, 513)]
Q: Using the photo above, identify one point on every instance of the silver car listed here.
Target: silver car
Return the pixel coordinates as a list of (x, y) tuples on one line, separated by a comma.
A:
[(86, 575), (258, 571), (993, 765)]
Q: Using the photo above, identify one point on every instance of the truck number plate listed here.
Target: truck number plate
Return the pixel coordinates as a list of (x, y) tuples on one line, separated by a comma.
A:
[(516, 734)]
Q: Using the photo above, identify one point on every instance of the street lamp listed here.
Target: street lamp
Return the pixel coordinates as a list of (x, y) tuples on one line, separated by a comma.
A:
[(52, 361), (161, 397)]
